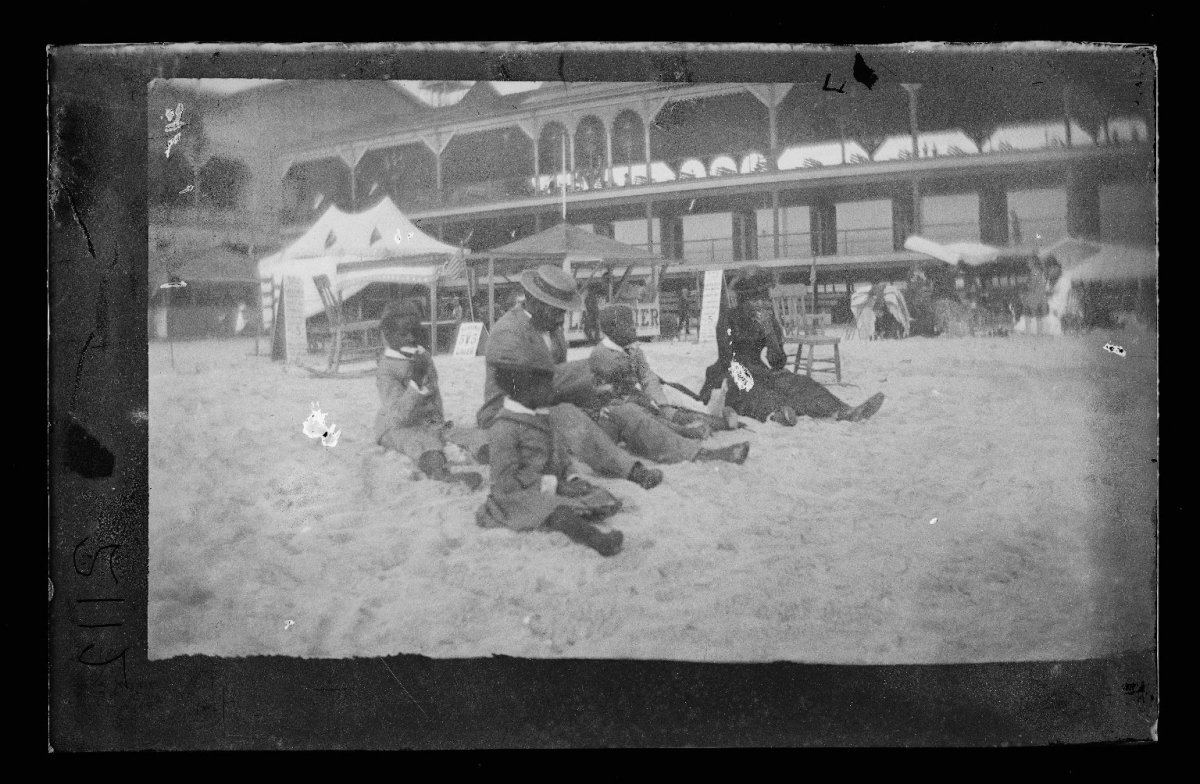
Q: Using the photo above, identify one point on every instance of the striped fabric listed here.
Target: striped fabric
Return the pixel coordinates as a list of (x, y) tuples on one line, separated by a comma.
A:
[(454, 269)]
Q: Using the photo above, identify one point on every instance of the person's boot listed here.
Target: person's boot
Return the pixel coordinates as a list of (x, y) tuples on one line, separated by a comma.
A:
[(785, 416), (735, 453), (433, 465), (564, 520), (483, 455), (648, 478), (863, 411)]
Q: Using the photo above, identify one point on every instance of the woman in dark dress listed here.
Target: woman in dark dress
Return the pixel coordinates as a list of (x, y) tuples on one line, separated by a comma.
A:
[(751, 359)]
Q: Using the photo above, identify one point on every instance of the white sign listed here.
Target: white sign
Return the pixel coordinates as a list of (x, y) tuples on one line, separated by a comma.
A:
[(710, 306), (467, 342), (295, 326)]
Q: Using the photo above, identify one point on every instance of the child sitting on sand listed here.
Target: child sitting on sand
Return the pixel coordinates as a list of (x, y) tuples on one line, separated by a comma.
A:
[(410, 418), (621, 369), (530, 486)]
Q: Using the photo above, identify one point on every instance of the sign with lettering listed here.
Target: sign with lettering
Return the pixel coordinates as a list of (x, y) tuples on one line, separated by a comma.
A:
[(295, 326), (470, 334), (710, 305), (645, 318)]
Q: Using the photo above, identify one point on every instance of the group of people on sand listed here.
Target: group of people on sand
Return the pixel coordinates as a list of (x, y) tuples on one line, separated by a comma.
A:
[(542, 415)]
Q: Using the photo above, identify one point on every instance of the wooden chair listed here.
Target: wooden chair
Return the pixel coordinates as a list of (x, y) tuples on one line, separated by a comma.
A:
[(805, 330), (351, 339)]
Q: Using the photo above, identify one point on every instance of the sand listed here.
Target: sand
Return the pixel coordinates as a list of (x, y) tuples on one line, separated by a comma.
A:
[(999, 507)]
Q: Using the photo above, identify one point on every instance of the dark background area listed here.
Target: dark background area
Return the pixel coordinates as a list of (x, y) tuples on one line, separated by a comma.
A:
[(105, 694)]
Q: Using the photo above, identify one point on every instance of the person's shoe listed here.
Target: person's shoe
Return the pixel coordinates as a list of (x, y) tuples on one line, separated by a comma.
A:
[(864, 411), (564, 520), (575, 488), (785, 416), (649, 478), (483, 455), (472, 480), (731, 418), (736, 453)]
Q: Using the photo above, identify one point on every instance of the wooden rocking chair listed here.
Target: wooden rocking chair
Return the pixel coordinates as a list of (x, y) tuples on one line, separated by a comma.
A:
[(805, 330), (350, 340)]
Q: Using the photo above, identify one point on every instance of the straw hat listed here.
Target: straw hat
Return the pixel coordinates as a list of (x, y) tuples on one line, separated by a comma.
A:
[(553, 286)]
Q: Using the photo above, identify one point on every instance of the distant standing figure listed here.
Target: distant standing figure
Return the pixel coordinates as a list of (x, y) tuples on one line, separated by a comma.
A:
[(685, 312), (591, 316), (457, 312)]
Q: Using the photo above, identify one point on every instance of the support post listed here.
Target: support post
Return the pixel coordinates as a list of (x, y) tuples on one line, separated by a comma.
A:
[(608, 173), (649, 226), (537, 168), (491, 293), (775, 216), (433, 317), (646, 126)]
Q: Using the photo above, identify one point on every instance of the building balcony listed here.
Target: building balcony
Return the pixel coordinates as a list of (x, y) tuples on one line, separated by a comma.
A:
[(608, 187)]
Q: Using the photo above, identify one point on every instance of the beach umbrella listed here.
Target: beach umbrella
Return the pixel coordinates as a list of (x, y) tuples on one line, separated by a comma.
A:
[(1083, 261)]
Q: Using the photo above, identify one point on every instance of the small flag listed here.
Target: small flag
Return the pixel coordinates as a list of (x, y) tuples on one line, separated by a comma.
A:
[(332, 238), (454, 268), (375, 236)]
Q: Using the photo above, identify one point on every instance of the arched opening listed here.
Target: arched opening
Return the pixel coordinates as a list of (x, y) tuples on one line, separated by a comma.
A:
[(754, 162), (551, 162), (310, 187), (729, 125), (495, 164), (722, 165), (591, 151), (222, 181), (692, 169), (407, 173)]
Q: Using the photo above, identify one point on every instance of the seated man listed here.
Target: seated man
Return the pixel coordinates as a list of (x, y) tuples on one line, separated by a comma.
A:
[(620, 365), (538, 325)]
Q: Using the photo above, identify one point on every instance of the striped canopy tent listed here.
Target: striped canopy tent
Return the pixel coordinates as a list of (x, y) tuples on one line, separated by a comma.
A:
[(566, 246), (377, 245)]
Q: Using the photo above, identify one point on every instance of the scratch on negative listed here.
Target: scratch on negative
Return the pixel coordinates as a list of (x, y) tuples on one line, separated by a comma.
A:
[(389, 669), (79, 219)]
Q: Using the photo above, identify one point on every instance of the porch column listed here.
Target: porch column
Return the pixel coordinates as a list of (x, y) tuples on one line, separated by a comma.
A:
[(1067, 111), (608, 175), (537, 167), (646, 127), (649, 225), (772, 127), (911, 89), (775, 216), (491, 293), (433, 317)]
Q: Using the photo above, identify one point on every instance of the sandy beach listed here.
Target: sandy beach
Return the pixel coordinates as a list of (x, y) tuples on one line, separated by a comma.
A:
[(1000, 507)]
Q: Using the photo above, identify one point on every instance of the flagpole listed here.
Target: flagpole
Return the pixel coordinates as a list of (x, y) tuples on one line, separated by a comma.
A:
[(564, 181)]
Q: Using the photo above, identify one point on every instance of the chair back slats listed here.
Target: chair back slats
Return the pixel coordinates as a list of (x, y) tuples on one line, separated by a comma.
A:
[(332, 303), (788, 303)]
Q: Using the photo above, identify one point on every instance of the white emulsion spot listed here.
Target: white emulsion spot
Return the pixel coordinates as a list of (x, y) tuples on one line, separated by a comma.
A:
[(288, 625), (741, 376), (1113, 348), (314, 427), (934, 520)]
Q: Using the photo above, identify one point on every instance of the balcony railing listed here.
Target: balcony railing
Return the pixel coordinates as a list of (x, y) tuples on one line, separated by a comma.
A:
[(493, 191), (869, 241)]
